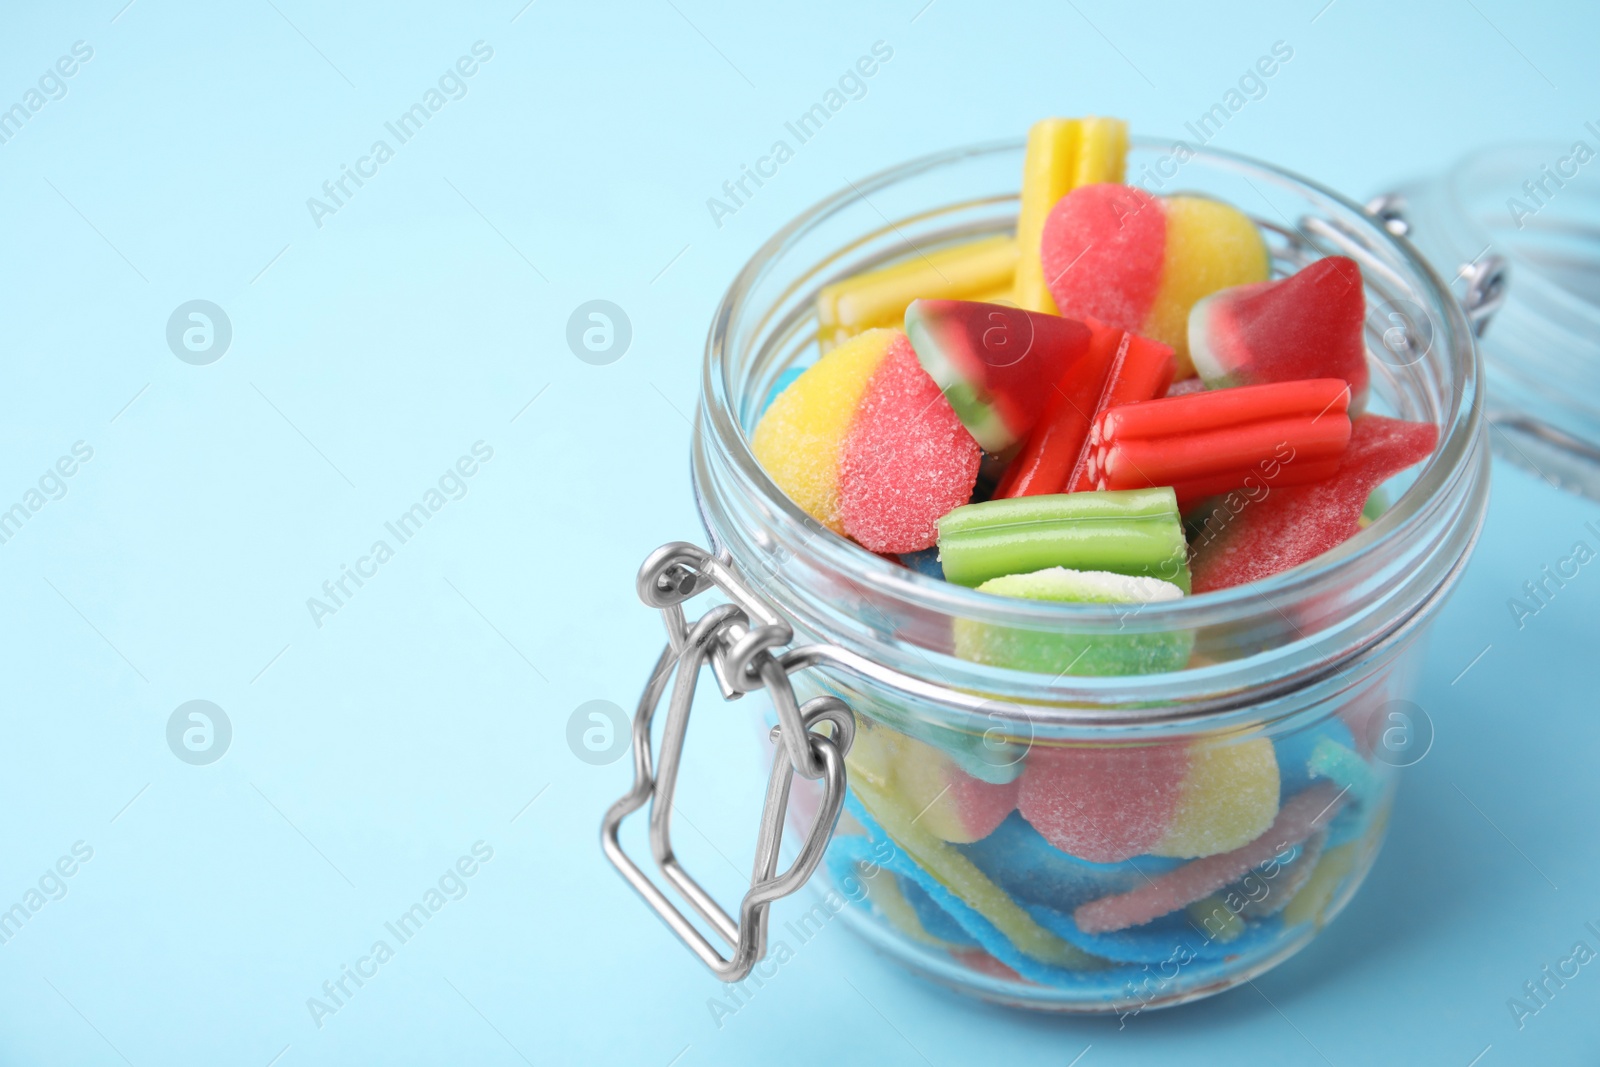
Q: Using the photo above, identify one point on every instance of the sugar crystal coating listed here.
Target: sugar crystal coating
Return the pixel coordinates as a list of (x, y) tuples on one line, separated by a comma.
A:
[(906, 461), (1103, 803)]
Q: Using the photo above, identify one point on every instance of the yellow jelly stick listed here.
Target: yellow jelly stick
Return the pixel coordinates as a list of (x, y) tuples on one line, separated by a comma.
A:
[(879, 298), (1062, 155), (958, 874)]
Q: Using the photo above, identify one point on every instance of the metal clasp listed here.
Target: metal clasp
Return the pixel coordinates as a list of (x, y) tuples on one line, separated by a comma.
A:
[(737, 640)]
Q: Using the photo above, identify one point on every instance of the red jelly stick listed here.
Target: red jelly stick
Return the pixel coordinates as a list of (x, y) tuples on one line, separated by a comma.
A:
[(1048, 454), (1141, 370), (1204, 443), (1137, 462), (1226, 407)]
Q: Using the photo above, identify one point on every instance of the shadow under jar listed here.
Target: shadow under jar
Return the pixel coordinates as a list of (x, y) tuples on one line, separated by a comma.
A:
[(1253, 785)]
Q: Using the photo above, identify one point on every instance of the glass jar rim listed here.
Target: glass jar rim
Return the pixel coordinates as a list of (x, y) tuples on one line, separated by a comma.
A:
[(1405, 518)]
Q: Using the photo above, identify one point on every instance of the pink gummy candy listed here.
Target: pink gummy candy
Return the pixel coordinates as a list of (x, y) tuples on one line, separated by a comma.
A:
[(1102, 251), (907, 460), (1289, 526), (1301, 816), (1103, 804)]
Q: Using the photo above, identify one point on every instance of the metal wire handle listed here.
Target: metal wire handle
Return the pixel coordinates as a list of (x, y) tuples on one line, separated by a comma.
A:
[(737, 640)]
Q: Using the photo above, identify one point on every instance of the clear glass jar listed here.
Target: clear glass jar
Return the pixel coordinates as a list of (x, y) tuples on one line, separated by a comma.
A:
[(1152, 788), (1533, 211)]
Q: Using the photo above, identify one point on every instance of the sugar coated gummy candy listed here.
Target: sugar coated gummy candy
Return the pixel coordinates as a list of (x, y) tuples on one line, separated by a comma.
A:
[(1308, 325), (1228, 798), (1103, 803), (1303, 815), (1054, 652), (801, 436), (995, 364), (906, 461), (1131, 260), (1291, 526), (950, 804)]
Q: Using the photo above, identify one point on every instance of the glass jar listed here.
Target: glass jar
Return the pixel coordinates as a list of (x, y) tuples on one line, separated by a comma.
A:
[(1054, 840), (1532, 211)]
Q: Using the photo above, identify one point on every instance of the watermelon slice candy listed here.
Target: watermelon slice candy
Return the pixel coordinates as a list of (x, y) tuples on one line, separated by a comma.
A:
[(1308, 325), (997, 365)]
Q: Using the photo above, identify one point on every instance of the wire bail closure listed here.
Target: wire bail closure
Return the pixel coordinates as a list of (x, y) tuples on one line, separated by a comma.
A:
[(737, 640)]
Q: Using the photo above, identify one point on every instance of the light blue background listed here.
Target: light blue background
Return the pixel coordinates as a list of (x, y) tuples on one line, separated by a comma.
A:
[(370, 353)]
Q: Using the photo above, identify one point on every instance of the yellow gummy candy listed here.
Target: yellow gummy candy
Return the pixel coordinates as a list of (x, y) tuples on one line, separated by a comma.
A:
[(959, 875), (800, 437), (1228, 798), (1062, 154), (967, 271), (1210, 246)]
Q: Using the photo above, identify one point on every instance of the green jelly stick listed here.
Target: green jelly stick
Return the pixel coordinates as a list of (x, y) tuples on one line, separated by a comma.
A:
[(1127, 531)]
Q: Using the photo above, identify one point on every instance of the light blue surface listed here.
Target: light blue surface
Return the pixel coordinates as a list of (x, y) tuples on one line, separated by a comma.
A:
[(371, 753)]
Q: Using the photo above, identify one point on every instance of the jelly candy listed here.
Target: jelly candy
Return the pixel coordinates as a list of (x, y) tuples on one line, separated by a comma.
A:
[(782, 382), (1204, 444), (1102, 248), (1301, 816), (1308, 325), (1103, 803), (799, 439), (996, 364), (1290, 526), (1134, 532), (906, 461), (1062, 154), (1286, 880), (1210, 246), (973, 270), (1228, 798), (959, 881), (1050, 452), (1310, 903), (1141, 370), (1049, 652), (945, 800), (1119, 255), (1024, 864)]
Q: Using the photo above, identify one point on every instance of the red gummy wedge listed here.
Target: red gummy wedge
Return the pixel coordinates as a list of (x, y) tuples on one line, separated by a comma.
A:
[(906, 461), (1287, 527), (1103, 804), (1301, 816), (996, 364), (1308, 325), (1102, 251), (1051, 450)]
